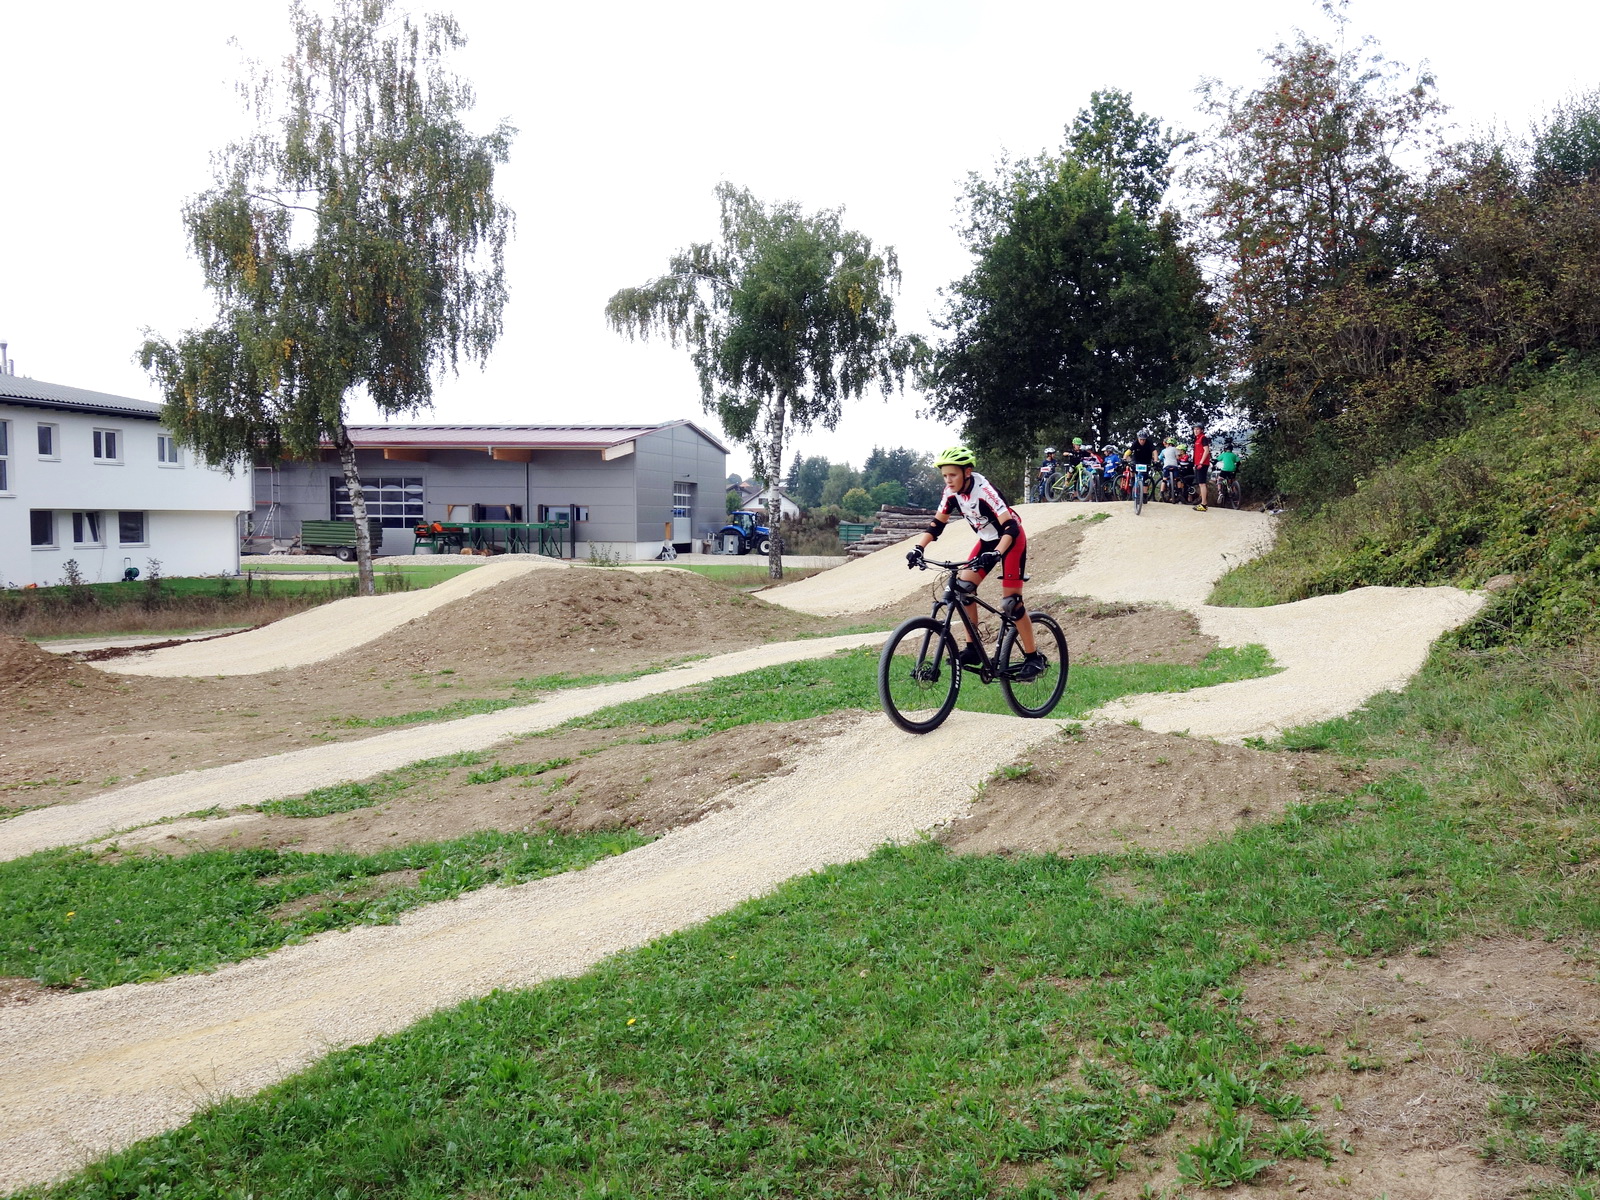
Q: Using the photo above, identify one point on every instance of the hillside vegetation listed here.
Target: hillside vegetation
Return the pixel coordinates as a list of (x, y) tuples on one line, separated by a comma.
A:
[(1515, 493)]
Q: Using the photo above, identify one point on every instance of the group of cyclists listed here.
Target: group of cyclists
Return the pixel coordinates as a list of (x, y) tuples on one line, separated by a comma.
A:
[(1109, 473)]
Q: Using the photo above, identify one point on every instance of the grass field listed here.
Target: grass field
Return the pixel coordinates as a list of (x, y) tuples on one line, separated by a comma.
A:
[(925, 1025), (72, 917)]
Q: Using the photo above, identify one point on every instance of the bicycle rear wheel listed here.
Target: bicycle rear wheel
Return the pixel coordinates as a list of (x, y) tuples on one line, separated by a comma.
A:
[(918, 676), (1038, 696), (1234, 496)]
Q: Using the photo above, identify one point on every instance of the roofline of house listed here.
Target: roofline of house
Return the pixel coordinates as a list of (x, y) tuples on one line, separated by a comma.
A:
[(108, 410)]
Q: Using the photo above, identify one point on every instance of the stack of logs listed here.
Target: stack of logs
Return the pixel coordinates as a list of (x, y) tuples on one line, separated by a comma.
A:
[(893, 525)]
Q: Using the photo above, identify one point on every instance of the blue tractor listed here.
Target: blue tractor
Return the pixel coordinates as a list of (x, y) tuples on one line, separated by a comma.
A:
[(744, 533)]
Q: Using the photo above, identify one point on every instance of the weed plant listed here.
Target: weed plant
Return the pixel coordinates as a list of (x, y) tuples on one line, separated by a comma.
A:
[(76, 918)]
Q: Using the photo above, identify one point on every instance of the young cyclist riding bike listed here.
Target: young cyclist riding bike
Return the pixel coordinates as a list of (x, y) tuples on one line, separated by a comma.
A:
[(1001, 542)]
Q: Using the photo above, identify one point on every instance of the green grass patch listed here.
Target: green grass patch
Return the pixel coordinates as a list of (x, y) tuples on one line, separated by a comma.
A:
[(529, 688), (1514, 494), (343, 797), (848, 680), (72, 917), (416, 576)]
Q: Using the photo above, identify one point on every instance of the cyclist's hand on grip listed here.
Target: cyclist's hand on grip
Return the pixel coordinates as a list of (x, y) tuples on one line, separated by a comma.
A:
[(987, 561), (913, 558)]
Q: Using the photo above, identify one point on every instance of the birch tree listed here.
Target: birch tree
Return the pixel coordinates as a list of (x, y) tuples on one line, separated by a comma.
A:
[(785, 317), (353, 243)]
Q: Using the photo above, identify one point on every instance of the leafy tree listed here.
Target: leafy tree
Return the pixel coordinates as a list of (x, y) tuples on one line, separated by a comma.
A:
[(785, 317), (841, 478), (353, 243), (890, 493), (1130, 150), (1568, 146), (1081, 313), (1305, 192), (858, 503), (806, 480), (913, 470), (734, 480)]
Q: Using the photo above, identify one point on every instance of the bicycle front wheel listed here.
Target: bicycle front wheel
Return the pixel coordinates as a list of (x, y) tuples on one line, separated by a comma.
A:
[(1038, 696), (1138, 495), (918, 675)]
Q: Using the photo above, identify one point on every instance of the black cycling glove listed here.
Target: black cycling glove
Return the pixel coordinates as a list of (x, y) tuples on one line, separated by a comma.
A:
[(913, 558), (987, 561)]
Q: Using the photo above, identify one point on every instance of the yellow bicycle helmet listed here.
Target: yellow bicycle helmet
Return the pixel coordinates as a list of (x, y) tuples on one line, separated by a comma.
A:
[(956, 456)]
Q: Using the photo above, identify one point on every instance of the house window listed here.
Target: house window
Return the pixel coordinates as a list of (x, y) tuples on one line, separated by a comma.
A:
[(86, 529), (395, 501), (167, 450), (682, 499), (48, 445), (107, 445), (130, 528), (5, 456), (42, 528)]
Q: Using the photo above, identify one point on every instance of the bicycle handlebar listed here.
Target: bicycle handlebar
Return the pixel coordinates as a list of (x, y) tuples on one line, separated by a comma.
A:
[(925, 563)]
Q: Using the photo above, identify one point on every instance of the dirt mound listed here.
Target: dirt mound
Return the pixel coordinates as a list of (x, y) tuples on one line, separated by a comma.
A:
[(1115, 787), (581, 621), (36, 676)]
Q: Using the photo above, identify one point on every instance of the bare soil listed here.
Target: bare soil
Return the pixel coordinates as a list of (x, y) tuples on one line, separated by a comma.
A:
[(74, 731), (605, 779), (1406, 1041), (1114, 787)]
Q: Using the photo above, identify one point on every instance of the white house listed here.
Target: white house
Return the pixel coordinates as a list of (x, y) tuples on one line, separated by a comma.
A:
[(760, 501), (94, 478)]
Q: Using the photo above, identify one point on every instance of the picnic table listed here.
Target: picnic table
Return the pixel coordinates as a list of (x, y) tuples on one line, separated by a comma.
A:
[(511, 537)]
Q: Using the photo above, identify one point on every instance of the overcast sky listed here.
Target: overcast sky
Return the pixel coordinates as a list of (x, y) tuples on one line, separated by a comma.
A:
[(630, 113)]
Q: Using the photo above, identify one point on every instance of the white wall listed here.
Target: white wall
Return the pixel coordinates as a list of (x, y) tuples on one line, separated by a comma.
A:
[(190, 509)]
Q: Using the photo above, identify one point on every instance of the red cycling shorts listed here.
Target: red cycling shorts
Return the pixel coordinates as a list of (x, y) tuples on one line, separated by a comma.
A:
[(1014, 567)]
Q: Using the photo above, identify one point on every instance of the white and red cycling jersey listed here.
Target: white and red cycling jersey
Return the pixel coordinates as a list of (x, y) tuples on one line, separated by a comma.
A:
[(985, 509)]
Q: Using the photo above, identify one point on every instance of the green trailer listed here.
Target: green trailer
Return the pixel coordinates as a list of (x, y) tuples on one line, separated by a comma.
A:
[(337, 538)]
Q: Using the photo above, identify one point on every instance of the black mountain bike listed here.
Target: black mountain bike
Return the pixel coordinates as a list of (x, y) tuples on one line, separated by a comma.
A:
[(919, 677)]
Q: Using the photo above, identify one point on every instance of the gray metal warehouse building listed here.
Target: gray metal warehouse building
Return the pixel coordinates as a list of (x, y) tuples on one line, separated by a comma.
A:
[(618, 485)]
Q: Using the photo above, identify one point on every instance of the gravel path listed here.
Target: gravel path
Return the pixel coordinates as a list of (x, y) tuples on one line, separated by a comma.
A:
[(298, 771), (1336, 651), (84, 1074), (324, 631)]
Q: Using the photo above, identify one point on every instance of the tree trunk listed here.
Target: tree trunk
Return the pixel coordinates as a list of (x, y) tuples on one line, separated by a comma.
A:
[(774, 457), (358, 510)]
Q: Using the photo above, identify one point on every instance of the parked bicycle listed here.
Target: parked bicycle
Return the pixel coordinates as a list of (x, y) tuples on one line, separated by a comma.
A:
[(1074, 484), (919, 677)]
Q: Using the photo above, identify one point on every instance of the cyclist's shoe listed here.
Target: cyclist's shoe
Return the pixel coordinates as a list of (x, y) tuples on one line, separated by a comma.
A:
[(1032, 667), (970, 656), (1200, 508)]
